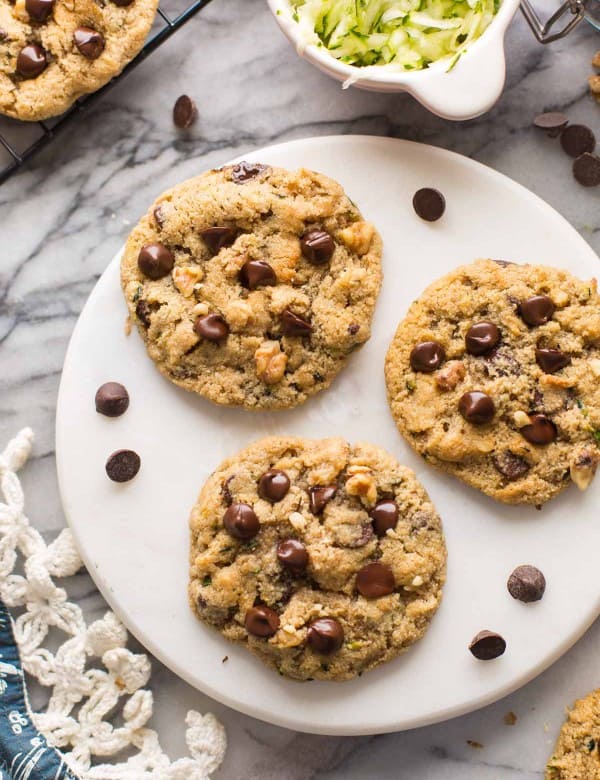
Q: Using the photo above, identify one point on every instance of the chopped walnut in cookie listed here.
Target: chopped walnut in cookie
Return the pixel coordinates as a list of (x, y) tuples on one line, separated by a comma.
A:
[(358, 237), (185, 278), (362, 484), (270, 362), (448, 377), (583, 467)]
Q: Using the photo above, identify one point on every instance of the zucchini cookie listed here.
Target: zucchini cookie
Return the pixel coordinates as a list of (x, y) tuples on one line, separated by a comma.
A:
[(577, 751), (252, 285), (322, 558), (494, 377), (54, 51)]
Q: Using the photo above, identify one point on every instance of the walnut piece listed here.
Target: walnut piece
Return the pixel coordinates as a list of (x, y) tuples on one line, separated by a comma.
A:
[(270, 362), (448, 377), (358, 237), (185, 277), (521, 419), (583, 467), (362, 484), (594, 82)]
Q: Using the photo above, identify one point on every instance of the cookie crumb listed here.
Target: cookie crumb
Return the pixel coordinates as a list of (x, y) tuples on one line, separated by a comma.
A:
[(474, 744), (128, 325), (510, 718), (225, 659)]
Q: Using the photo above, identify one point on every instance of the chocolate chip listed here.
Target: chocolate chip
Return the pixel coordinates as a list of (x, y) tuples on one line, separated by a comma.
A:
[(244, 171), (39, 10), (212, 327), (325, 636), (586, 170), (577, 139), (159, 215), (256, 273), (122, 3), (320, 495), (123, 465), (551, 360), (537, 310), (292, 554), (511, 466), (481, 338), (429, 204), (553, 122), (112, 399), (261, 621), (526, 584), (142, 311), (226, 492), (31, 61), (317, 246), (353, 328), (427, 356), (384, 516), (541, 430), (274, 485), (3, 35), (216, 238), (184, 112), (155, 261), (364, 534), (487, 645), (293, 325), (477, 407), (241, 522), (90, 42), (375, 580)]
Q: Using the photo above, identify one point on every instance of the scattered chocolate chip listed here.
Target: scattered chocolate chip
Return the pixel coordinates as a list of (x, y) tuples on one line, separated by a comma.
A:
[(384, 516), (142, 311), (586, 169), (212, 327), (353, 329), (123, 465), (364, 535), (293, 325), (226, 492), (577, 139), (112, 399), (481, 338), (320, 495), (541, 430), (317, 246), (31, 61), (274, 485), (477, 407), (155, 261), (184, 112), (122, 3), (487, 645), (511, 466), (375, 580), (553, 122), (90, 42), (216, 238), (551, 360), (241, 522), (325, 636), (429, 204), (427, 357), (292, 554), (527, 584), (256, 273), (39, 10), (261, 621), (244, 171), (159, 216), (537, 310)]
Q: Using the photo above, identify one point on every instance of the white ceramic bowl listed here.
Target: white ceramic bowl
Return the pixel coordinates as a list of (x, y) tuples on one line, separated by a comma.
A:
[(471, 88)]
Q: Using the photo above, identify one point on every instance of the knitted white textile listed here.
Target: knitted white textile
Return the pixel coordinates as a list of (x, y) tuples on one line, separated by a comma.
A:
[(92, 671)]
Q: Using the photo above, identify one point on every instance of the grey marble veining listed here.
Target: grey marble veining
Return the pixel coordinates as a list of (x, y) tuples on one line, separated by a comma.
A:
[(66, 215)]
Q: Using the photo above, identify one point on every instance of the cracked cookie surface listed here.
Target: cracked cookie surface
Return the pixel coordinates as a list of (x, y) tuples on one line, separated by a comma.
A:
[(576, 754), (324, 559), (494, 377), (252, 285)]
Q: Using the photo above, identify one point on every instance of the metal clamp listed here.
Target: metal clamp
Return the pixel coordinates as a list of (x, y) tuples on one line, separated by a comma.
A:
[(544, 31)]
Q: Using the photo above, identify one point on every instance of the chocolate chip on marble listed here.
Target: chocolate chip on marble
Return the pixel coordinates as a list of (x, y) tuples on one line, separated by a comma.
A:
[(274, 485), (39, 10), (384, 516), (244, 171), (123, 465), (551, 360), (586, 170), (216, 238), (577, 139), (482, 337), (375, 580), (241, 522), (541, 430), (477, 407), (31, 61), (325, 636), (511, 466), (261, 621), (526, 584), (317, 246), (256, 273), (212, 327), (427, 357), (90, 42), (292, 555), (319, 496), (155, 261), (293, 325), (112, 399), (537, 310), (142, 311), (184, 112), (553, 122), (429, 204), (487, 645)]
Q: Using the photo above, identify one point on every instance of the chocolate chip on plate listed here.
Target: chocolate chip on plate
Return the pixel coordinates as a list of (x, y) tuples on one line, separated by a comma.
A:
[(541, 430), (551, 360), (90, 42), (184, 112), (155, 261), (317, 246), (527, 584), (586, 169), (261, 621), (273, 486), (320, 495), (241, 522), (477, 407), (31, 61), (216, 238), (429, 204), (577, 139), (511, 466), (256, 273), (537, 310), (292, 554), (112, 399), (384, 516), (123, 465), (553, 122), (375, 580), (212, 327), (244, 171), (325, 636), (487, 645), (482, 337), (39, 10), (293, 325), (427, 357)]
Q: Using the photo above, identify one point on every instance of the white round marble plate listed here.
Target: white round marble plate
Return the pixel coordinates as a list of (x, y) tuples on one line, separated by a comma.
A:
[(134, 537)]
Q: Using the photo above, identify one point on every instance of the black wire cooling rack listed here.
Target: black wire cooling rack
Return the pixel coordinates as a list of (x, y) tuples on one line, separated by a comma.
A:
[(21, 140)]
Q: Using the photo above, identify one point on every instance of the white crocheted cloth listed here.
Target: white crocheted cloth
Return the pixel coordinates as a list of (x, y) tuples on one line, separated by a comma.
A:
[(92, 675)]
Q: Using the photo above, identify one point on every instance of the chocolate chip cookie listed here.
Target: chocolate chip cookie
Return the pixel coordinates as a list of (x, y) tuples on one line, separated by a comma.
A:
[(577, 751), (322, 558), (54, 51), (494, 377), (252, 285)]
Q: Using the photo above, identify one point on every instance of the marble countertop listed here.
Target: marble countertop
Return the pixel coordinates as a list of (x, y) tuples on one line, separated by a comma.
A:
[(64, 217)]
